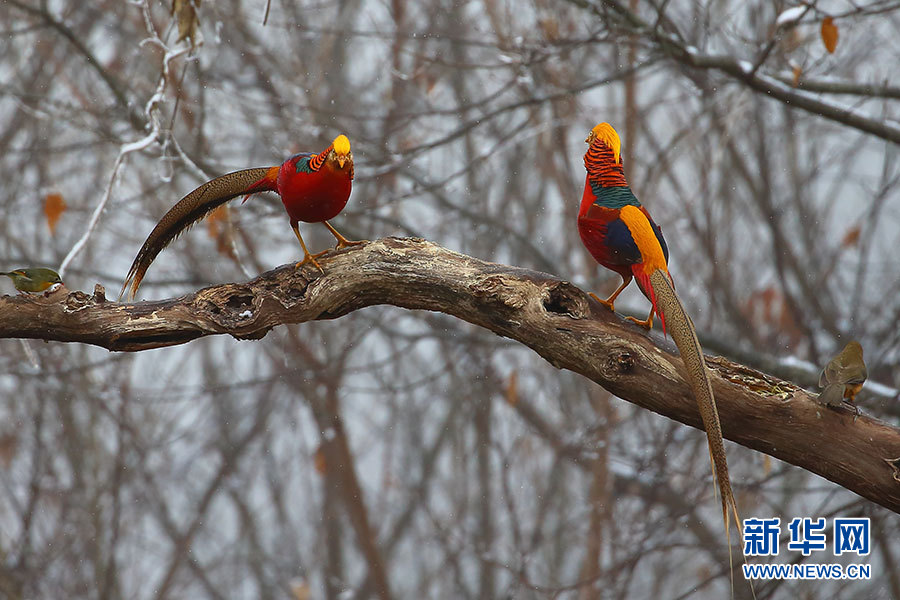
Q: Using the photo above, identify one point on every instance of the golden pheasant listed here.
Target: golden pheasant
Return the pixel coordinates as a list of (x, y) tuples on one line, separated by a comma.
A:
[(620, 235), (314, 188)]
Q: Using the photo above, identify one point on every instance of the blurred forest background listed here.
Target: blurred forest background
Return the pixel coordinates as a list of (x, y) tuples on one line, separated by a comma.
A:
[(397, 454)]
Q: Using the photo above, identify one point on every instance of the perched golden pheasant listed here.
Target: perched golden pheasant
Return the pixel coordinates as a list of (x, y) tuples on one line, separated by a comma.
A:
[(313, 188), (620, 235)]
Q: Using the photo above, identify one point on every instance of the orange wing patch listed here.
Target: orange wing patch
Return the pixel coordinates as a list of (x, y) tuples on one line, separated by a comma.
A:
[(644, 237)]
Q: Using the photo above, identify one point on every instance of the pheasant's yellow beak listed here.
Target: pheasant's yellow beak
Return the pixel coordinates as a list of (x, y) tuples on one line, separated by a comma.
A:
[(341, 160)]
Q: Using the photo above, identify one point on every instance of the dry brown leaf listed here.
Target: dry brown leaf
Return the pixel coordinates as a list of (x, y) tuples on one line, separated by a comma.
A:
[(319, 462), (512, 391), (851, 238), (54, 207), (215, 222), (186, 16), (550, 28), (767, 298), (829, 34), (219, 229), (797, 71), (9, 446), (787, 324), (300, 590)]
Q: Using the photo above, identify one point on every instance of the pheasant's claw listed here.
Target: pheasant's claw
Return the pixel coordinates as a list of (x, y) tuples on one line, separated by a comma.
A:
[(607, 303), (311, 258), (646, 324), (344, 243)]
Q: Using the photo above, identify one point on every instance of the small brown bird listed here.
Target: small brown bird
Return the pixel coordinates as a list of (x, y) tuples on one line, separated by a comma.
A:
[(843, 377)]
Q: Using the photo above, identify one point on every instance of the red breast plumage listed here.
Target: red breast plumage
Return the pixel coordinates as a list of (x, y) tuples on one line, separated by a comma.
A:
[(317, 196)]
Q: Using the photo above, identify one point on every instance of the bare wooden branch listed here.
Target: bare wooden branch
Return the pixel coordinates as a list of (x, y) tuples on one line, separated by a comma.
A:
[(553, 317)]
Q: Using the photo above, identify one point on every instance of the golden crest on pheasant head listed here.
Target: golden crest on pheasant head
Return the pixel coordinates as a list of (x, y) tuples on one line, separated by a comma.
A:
[(605, 134), (340, 152)]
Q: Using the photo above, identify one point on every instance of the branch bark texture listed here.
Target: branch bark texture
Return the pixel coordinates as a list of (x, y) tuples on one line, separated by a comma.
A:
[(552, 317)]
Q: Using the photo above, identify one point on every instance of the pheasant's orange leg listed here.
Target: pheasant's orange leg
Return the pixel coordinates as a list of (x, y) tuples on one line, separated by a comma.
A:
[(646, 324), (307, 257), (342, 241), (609, 302)]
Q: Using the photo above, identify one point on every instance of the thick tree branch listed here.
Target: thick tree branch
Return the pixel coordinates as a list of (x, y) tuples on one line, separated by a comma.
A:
[(550, 316)]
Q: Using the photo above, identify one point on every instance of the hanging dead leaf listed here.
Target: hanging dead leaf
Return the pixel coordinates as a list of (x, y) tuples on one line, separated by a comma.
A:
[(215, 222), (550, 28), (300, 590), (512, 392), (770, 312), (185, 12), (767, 465), (829, 34), (790, 40), (787, 324), (851, 238), (219, 228), (319, 462), (9, 445), (797, 72), (54, 207), (767, 299)]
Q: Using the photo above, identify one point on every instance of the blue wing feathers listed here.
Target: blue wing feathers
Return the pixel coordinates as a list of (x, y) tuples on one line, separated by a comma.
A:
[(622, 247)]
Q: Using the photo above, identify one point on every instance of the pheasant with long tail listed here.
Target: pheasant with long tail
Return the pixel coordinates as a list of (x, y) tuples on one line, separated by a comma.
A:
[(620, 234), (314, 188)]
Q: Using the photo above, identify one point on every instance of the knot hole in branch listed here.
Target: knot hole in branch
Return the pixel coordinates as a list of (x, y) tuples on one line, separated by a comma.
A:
[(615, 360), (240, 302), (228, 305), (563, 298)]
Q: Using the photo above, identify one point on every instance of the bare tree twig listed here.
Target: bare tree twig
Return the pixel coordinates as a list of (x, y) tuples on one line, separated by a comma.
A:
[(850, 88), (115, 86), (745, 73)]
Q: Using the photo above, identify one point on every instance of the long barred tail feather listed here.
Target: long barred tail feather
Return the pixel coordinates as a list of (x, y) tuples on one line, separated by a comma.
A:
[(685, 337), (191, 209)]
